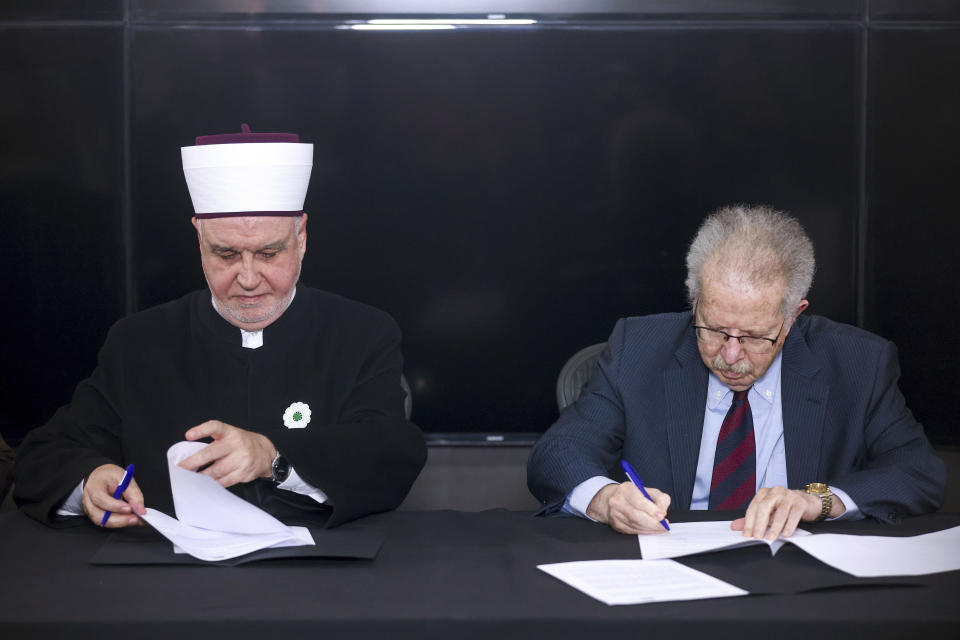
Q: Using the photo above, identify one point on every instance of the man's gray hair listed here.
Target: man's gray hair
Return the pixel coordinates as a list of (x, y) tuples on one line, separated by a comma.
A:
[(758, 244)]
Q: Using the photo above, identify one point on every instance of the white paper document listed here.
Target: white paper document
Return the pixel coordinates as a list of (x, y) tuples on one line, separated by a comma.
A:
[(688, 538), (861, 556), (873, 556), (640, 581), (212, 523)]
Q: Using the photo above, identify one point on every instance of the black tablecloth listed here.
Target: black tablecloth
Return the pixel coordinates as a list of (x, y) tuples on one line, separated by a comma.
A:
[(453, 575)]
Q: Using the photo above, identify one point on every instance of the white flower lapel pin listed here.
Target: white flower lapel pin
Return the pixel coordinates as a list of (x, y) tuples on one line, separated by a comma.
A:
[(297, 415)]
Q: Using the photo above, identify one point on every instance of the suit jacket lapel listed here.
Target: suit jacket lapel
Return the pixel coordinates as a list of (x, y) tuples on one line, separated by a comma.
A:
[(685, 391), (804, 401)]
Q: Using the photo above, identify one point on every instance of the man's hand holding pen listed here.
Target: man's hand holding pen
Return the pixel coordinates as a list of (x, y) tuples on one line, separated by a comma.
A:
[(98, 500)]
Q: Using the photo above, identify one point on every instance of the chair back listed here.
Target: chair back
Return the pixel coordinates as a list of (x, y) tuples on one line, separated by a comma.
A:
[(408, 398), (575, 373)]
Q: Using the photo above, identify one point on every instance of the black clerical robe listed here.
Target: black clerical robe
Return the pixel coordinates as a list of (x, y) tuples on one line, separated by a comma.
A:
[(174, 366)]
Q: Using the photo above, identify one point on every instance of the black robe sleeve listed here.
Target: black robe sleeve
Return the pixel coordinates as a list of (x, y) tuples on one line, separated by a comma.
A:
[(366, 460), (80, 437)]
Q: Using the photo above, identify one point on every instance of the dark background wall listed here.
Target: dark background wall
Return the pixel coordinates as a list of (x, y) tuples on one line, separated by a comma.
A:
[(506, 192)]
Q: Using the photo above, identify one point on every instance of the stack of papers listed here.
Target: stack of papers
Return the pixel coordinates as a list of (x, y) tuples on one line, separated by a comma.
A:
[(656, 578), (213, 524), (688, 538), (860, 556)]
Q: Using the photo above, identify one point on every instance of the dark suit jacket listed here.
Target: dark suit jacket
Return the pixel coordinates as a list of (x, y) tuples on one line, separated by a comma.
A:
[(844, 419)]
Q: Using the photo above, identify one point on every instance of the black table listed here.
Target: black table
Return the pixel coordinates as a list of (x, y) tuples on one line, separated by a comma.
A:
[(451, 575)]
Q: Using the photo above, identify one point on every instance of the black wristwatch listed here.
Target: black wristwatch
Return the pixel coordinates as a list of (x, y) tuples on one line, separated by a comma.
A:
[(280, 468)]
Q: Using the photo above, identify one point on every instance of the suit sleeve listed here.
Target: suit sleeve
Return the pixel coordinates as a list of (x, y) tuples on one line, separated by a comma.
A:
[(587, 438), (367, 460), (900, 475), (79, 438)]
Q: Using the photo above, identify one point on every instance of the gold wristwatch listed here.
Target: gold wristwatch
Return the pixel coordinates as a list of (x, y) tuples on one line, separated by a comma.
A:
[(826, 498)]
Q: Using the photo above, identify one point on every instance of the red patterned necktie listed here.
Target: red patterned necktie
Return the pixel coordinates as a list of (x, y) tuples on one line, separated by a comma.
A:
[(735, 463)]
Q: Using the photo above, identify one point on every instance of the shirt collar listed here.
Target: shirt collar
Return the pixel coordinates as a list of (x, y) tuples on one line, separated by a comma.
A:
[(251, 339), (764, 389)]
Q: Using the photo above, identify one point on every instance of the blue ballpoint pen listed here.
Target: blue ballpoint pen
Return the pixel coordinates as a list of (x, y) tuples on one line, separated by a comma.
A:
[(635, 478), (124, 483)]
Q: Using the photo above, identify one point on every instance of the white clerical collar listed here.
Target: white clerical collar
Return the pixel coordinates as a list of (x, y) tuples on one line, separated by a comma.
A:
[(251, 339)]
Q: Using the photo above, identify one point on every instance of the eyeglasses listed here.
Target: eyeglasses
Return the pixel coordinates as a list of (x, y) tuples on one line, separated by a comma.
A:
[(751, 344)]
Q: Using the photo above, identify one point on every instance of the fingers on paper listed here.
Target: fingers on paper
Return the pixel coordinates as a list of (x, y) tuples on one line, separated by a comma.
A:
[(774, 512), (119, 520), (226, 470), (235, 455), (134, 497), (229, 462), (201, 458), (225, 440), (785, 519)]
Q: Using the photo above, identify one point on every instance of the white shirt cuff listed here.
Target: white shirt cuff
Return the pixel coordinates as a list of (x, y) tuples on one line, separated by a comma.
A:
[(297, 484), (579, 499), (852, 512), (73, 505)]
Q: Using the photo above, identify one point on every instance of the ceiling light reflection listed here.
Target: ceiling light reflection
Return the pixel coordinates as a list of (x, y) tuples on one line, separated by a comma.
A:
[(452, 21), (400, 27)]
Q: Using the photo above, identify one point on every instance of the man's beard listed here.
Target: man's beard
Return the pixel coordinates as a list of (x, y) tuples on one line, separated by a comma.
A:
[(255, 316), (246, 316)]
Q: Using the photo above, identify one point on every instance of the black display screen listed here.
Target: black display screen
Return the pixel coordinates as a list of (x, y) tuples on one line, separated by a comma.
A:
[(507, 193)]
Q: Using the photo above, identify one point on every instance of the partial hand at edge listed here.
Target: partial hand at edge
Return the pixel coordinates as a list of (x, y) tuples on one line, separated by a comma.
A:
[(235, 455), (626, 510), (98, 498)]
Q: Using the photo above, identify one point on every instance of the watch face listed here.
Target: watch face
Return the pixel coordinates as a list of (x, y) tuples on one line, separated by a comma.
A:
[(817, 487), (281, 469)]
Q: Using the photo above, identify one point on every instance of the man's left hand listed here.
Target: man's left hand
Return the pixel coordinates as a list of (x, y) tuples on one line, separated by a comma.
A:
[(777, 511), (235, 455)]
